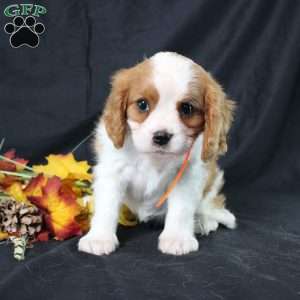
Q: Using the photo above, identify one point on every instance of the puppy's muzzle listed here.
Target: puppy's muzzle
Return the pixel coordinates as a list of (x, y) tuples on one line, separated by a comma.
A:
[(161, 138)]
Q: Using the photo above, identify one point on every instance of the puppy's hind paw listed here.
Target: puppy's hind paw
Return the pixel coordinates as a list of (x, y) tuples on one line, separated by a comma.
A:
[(227, 218), (208, 222), (204, 225), (98, 245)]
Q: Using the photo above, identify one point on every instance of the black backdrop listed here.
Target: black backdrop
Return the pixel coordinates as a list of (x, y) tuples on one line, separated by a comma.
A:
[(50, 97)]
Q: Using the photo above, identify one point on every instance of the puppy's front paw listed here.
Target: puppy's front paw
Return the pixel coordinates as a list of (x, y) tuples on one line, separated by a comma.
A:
[(98, 244), (177, 244)]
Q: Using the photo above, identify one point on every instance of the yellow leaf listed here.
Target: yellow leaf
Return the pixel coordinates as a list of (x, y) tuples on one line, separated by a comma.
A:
[(16, 191), (87, 202), (3, 235), (126, 217), (65, 166)]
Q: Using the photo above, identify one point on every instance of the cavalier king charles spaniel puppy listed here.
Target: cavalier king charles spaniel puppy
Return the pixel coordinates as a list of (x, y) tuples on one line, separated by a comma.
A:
[(156, 112)]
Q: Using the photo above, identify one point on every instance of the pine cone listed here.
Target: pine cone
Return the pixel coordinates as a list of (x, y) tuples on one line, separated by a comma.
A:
[(20, 218)]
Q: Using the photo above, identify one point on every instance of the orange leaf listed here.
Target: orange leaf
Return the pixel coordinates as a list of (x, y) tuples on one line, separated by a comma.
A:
[(11, 154), (60, 208), (7, 180), (7, 166), (43, 236), (69, 184), (34, 187)]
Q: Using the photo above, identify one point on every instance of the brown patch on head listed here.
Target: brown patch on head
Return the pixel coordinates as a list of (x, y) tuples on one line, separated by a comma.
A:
[(218, 114), (191, 114), (144, 93), (190, 108), (128, 85)]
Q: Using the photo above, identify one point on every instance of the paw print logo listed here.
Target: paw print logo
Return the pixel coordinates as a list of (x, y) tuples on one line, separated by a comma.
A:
[(24, 32)]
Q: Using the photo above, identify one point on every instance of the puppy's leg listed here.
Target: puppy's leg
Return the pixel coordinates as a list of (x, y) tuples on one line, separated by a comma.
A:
[(211, 210), (220, 213), (178, 236), (102, 239), (213, 213)]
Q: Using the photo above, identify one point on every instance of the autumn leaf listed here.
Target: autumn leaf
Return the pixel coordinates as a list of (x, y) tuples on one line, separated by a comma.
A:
[(3, 235), (87, 202), (65, 166), (7, 180), (84, 219), (9, 165), (70, 183), (43, 236), (35, 186), (60, 209), (11, 154), (16, 191), (126, 217)]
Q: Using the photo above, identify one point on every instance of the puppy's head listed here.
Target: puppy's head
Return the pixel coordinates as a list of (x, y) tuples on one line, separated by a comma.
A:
[(164, 104)]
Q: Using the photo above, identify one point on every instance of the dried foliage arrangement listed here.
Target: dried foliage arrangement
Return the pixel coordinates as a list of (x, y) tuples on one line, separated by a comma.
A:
[(41, 202)]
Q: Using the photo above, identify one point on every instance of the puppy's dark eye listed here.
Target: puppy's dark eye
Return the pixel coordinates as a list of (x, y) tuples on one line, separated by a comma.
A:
[(186, 109), (143, 105)]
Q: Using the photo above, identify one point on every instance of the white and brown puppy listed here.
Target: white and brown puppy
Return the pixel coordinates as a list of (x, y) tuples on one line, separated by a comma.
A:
[(156, 111)]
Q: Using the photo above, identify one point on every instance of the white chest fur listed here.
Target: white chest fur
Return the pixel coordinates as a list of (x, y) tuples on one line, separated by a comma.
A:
[(148, 180)]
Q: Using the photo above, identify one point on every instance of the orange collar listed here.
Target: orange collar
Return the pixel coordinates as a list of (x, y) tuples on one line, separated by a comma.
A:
[(173, 184)]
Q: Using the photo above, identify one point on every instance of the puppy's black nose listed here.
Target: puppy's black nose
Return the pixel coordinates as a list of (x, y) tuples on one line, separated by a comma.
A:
[(161, 138)]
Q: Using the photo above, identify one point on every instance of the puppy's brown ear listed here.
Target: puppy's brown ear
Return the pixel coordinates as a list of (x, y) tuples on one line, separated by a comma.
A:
[(227, 113), (114, 115), (218, 112)]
